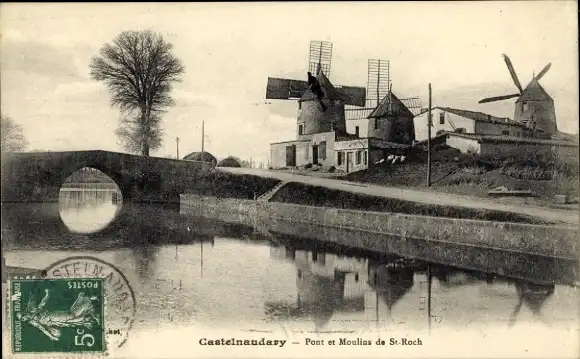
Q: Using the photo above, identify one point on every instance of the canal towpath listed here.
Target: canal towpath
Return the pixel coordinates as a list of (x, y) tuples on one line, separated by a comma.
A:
[(570, 217)]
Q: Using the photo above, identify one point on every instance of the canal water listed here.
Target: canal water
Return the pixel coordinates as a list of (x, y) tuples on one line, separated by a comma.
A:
[(196, 275)]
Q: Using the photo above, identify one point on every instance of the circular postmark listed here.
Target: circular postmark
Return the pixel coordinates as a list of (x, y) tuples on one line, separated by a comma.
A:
[(119, 298)]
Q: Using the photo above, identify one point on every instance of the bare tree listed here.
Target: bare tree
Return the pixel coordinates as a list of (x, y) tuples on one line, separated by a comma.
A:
[(133, 134), (12, 135), (139, 69)]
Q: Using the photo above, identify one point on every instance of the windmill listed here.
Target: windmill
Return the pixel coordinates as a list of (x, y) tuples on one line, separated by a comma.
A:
[(379, 85), (320, 58), (320, 103), (534, 107)]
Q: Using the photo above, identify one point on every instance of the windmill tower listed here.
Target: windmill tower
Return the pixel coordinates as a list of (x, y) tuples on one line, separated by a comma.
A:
[(534, 107), (385, 116), (379, 85), (320, 103)]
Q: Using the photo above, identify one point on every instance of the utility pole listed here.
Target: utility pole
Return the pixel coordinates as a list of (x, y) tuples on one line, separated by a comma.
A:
[(429, 285), (177, 143), (202, 144), (429, 124), (202, 138)]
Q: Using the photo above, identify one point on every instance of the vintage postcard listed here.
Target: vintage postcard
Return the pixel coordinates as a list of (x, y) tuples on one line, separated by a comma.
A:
[(290, 180)]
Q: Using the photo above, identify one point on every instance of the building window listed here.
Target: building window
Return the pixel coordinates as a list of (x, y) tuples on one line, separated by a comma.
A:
[(322, 150), (356, 131), (365, 158), (358, 157), (376, 123), (505, 133), (299, 273), (301, 129), (441, 118), (339, 158), (524, 106)]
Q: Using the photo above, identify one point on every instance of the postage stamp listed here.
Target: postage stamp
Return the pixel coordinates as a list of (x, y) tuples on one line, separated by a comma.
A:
[(79, 305), (58, 315)]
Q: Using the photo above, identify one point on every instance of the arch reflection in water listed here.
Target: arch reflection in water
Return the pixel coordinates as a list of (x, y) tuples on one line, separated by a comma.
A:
[(89, 201)]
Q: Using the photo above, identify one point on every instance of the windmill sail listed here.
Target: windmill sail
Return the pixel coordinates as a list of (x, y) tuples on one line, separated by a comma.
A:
[(354, 96), (512, 72), (499, 98), (320, 59), (285, 89), (543, 72)]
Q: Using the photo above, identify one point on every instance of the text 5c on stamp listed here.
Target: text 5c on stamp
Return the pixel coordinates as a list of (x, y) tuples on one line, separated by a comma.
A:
[(57, 315)]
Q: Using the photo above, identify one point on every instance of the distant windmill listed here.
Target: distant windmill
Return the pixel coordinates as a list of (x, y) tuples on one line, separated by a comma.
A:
[(534, 107), (320, 59)]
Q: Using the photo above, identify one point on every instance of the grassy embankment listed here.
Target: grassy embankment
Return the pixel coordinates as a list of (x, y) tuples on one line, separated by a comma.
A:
[(471, 174), (225, 185), (299, 193)]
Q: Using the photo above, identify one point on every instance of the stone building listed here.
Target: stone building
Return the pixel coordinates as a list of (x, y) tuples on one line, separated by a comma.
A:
[(471, 131), (446, 119), (535, 108), (322, 137)]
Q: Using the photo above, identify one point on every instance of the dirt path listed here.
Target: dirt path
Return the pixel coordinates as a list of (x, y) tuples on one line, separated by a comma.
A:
[(426, 196)]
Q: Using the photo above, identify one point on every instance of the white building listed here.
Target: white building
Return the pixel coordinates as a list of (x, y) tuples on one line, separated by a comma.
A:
[(446, 119), (470, 131)]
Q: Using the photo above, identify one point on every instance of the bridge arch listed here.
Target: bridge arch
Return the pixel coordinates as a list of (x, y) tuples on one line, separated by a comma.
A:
[(38, 176)]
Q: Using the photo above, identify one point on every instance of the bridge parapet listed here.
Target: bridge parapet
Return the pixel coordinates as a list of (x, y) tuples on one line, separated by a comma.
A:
[(38, 176)]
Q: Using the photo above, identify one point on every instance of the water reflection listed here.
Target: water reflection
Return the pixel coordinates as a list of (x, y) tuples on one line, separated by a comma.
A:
[(196, 271), (325, 283), (533, 296), (100, 205), (392, 290)]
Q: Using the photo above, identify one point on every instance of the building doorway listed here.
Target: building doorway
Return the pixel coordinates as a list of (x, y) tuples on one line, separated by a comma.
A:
[(348, 161), (314, 154), (290, 156)]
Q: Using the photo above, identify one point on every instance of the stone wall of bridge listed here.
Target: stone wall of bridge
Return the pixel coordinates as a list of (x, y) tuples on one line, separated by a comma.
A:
[(38, 176)]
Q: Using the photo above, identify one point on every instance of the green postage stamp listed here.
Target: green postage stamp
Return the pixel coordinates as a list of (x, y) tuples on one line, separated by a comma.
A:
[(57, 315)]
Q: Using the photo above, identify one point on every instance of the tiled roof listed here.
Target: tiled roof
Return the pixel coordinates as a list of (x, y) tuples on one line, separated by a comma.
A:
[(534, 92), (477, 116), (383, 107), (504, 138), (357, 113)]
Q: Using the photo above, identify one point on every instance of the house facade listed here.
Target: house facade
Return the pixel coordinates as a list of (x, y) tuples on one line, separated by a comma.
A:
[(446, 119), (500, 145), (323, 139)]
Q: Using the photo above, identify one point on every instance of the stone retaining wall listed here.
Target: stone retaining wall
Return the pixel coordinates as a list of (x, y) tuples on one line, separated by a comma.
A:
[(552, 241)]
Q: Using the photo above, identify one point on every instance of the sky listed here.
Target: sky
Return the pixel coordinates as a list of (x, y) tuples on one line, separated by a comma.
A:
[(230, 49)]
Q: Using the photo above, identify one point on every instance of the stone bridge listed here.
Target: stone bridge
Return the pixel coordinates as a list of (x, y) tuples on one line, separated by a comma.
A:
[(38, 176)]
